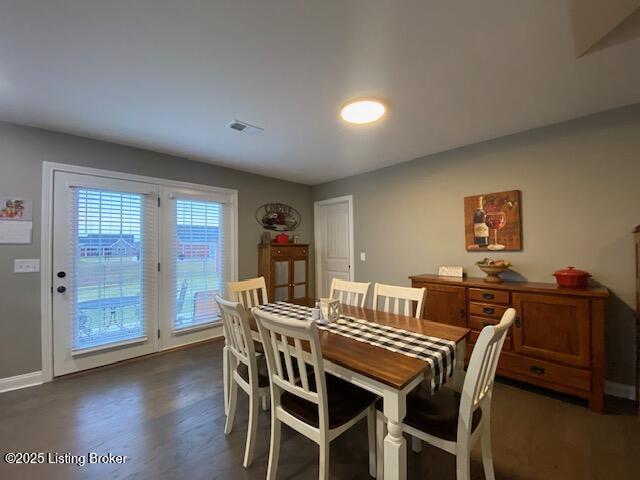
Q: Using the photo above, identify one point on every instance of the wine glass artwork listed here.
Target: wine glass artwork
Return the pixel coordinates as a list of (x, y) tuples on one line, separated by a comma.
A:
[(495, 220), (487, 213)]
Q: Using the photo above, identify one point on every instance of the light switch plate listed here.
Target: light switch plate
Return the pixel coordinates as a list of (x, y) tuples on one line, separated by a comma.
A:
[(26, 265), (363, 257)]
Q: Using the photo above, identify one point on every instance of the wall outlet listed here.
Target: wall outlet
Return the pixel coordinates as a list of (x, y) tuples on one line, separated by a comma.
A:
[(26, 265), (363, 257)]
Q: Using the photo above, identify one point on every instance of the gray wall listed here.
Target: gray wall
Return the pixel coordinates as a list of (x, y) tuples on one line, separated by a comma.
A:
[(22, 151), (580, 184)]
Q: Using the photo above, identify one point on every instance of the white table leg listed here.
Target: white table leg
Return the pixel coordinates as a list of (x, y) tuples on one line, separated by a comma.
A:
[(395, 446)]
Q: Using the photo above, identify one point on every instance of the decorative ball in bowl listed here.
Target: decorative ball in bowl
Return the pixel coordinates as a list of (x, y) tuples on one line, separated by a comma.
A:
[(493, 268)]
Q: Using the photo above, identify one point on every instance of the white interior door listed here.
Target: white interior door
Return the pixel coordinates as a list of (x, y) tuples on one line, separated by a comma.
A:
[(334, 238), (105, 271)]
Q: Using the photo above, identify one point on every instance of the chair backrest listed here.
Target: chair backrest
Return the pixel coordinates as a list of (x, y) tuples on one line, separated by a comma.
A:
[(350, 293), (393, 296), (281, 334), (237, 334), (250, 293), (481, 372)]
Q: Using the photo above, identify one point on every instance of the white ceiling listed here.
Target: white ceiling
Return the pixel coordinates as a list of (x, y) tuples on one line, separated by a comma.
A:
[(170, 74)]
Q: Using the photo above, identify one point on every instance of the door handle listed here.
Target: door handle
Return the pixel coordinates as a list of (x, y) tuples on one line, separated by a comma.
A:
[(463, 312), (61, 289), (62, 274), (518, 322)]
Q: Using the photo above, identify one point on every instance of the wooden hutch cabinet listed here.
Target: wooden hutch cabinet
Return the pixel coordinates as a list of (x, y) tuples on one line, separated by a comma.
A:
[(556, 342), (285, 267)]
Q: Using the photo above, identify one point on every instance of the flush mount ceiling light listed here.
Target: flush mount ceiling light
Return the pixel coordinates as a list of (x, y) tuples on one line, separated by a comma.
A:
[(363, 111)]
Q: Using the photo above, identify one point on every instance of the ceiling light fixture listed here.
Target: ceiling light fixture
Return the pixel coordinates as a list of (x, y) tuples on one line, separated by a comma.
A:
[(363, 111)]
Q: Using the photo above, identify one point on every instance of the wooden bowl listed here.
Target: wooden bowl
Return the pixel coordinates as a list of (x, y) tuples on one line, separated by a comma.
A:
[(492, 272)]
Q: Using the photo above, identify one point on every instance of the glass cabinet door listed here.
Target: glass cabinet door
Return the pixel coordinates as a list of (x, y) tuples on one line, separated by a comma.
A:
[(281, 280), (299, 278)]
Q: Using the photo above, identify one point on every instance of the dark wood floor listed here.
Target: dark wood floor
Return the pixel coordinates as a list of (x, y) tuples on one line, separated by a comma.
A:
[(165, 413)]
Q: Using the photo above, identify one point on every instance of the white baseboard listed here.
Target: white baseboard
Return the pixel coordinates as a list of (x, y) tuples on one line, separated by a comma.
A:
[(621, 390), (20, 381)]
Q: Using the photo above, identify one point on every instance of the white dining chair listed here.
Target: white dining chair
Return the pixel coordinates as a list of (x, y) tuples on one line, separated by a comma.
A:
[(321, 407), (454, 421), (250, 293), (350, 293), (246, 370), (392, 297)]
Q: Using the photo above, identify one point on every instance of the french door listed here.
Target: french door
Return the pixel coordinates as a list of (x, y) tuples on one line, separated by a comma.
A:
[(197, 263), (136, 268), (105, 262)]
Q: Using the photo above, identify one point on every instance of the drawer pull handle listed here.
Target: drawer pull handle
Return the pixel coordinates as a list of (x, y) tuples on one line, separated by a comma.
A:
[(489, 311), (488, 296), (537, 370)]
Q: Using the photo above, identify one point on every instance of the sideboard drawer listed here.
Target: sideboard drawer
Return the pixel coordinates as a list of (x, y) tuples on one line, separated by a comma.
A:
[(491, 296), (487, 310), (551, 372)]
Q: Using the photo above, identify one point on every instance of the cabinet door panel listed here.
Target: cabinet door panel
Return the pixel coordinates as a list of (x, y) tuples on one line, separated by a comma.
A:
[(552, 328), (299, 270), (445, 304), (281, 272)]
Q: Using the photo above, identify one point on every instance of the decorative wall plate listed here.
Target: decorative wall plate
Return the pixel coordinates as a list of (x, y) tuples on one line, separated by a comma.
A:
[(278, 217)]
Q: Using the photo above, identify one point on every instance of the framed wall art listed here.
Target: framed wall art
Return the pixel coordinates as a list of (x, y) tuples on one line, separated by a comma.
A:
[(492, 222)]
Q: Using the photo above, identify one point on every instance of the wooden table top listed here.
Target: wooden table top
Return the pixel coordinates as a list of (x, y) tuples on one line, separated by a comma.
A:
[(390, 368)]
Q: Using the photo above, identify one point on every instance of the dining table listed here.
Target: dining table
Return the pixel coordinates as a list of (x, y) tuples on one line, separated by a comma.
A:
[(388, 374)]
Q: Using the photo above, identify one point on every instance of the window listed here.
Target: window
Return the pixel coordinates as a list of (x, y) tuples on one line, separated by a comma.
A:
[(199, 261)]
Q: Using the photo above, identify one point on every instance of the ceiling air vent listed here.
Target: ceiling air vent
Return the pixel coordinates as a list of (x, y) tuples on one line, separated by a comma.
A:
[(244, 127)]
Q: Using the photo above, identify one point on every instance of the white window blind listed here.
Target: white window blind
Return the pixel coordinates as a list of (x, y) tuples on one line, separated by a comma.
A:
[(113, 269), (198, 261)]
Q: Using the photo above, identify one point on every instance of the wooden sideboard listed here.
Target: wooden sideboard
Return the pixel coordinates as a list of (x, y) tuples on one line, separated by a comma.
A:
[(285, 268), (556, 342)]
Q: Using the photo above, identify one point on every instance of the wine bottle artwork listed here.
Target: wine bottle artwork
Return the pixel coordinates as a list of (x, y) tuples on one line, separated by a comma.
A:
[(480, 228), (492, 222)]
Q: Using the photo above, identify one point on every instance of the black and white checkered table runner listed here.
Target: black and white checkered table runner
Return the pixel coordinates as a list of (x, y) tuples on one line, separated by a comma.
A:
[(440, 354)]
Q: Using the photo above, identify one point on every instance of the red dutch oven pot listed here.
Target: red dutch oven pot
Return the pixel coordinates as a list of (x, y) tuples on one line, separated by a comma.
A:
[(572, 278)]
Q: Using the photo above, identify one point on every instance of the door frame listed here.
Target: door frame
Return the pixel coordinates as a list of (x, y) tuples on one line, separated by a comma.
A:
[(46, 240), (318, 244)]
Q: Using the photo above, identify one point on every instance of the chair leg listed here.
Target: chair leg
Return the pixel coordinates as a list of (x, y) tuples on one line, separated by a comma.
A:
[(487, 454), (371, 427), (463, 463), (233, 400), (252, 429), (416, 444), (324, 459), (225, 378), (274, 448), (381, 432)]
